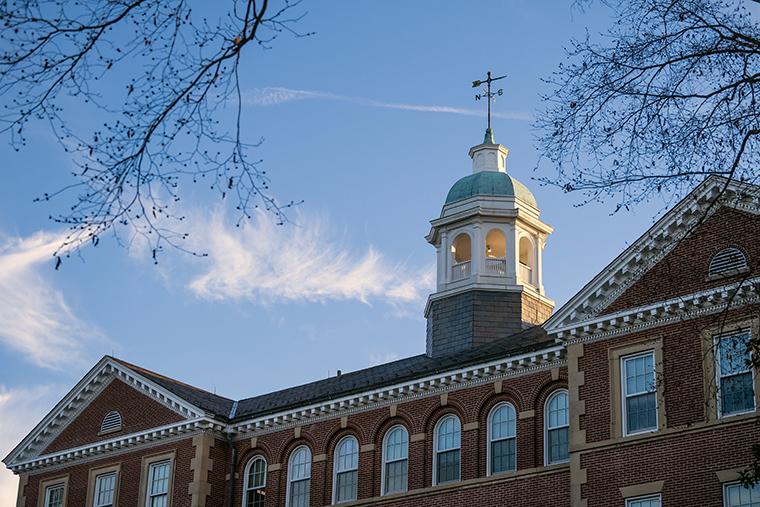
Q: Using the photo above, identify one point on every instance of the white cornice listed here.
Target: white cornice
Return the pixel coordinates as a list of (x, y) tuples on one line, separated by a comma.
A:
[(666, 312), (652, 246)]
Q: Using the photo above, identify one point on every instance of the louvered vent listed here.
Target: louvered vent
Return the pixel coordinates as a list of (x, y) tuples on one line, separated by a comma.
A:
[(726, 261), (111, 422)]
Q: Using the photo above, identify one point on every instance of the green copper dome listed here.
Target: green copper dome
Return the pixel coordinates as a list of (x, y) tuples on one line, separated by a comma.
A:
[(489, 183)]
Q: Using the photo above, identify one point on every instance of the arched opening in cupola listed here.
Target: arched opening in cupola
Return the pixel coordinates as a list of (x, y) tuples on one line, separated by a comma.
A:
[(527, 263), (496, 252), (461, 256)]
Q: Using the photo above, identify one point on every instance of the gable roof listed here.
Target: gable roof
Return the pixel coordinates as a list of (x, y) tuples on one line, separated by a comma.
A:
[(87, 389), (628, 267)]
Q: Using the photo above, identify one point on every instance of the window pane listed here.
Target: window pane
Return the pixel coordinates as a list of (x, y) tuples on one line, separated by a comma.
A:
[(396, 476), (299, 493), (255, 498), (348, 455), (558, 415), (503, 422), (558, 445), (738, 496), (345, 486), (652, 501), (158, 501), (104, 490), (734, 353), (639, 375), (503, 455), (448, 466), (300, 464), (737, 393), (159, 483), (448, 434), (257, 473), (54, 496), (396, 444), (641, 412)]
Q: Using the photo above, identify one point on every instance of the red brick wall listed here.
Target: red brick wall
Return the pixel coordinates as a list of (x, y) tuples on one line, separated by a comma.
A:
[(686, 463), (684, 269), (682, 379), (129, 481), (419, 416), (138, 413)]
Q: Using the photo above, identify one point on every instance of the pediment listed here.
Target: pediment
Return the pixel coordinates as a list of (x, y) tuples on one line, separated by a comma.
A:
[(638, 274)]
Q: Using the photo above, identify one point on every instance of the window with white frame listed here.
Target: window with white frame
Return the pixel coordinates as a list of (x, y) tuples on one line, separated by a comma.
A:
[(639, 394), (644, 501), (105, 490), (346, 478), (736, 389), (299, 478), (255, 480), (736, 495), (557, 422), (395, 460), (502, 439), (159, 475), (447, 443), (54, 495)]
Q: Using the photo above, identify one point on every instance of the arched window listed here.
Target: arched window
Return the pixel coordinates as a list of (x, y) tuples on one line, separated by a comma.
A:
[(728, 261), (446, 455), (255, 480), (496, 252), (346, 467), (111, 422), (299, 478), (395, 460), (525, 274), (461, 255), (557, 422), (502, 439)]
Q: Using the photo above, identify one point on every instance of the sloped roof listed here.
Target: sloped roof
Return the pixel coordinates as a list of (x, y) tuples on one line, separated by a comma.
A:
[(210, 402)]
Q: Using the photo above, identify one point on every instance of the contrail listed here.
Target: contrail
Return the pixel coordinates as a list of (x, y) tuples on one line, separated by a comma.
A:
[(272, 96)]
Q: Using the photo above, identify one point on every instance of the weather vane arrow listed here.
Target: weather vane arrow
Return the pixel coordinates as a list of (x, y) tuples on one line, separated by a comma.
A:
[(487, 94)]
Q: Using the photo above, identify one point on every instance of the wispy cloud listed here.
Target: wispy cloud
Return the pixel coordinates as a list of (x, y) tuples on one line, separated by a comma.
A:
[(272, 96), (35, 318), (20, 410), (266, 262)]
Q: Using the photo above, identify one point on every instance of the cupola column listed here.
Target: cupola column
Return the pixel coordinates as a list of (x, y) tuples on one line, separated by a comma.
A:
[(478, 251), (539, 263), (443, 260), (513, 253)]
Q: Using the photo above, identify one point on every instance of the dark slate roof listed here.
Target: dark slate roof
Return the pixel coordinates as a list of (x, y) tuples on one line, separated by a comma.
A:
[(531, 339), (410, 368), (209, 402)]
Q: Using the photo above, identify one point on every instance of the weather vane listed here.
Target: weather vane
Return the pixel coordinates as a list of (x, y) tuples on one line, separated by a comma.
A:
[(487, 94)]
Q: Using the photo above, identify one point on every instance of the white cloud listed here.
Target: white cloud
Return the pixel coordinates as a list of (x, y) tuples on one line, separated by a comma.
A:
[(20, 410), (272, 96), (263, 261), (35, 318), (376, 359)]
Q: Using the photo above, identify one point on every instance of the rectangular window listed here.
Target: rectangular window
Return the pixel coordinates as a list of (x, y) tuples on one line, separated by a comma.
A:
[(639, 393), (448, 466), (346, 486), (299, 493), (54, 495), (503, 455), (736, 390), (105, 487), (644, 501), (736, 495), (396, 473), (158, 484)]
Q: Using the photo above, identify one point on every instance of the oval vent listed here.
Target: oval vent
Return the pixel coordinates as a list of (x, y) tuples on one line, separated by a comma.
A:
[(111, 422), (729, 260)]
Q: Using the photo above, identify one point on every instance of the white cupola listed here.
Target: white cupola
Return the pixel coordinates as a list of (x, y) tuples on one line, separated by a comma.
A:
[(489, 236)]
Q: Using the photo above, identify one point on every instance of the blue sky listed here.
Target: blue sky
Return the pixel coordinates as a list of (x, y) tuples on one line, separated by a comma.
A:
[(369, 122)]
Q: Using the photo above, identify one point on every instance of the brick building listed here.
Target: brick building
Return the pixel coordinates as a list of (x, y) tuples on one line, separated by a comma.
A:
[(635, 393)]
